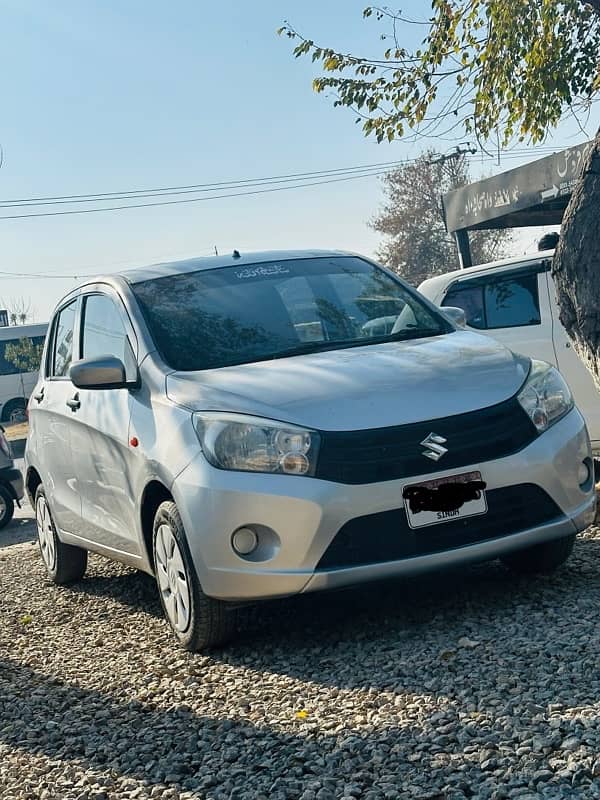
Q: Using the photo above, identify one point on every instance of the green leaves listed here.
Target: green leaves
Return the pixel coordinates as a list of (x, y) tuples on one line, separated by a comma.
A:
[(24, 355), (514, 65)]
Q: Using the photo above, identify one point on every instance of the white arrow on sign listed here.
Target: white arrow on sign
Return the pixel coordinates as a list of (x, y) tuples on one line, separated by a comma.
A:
[(549, 194)]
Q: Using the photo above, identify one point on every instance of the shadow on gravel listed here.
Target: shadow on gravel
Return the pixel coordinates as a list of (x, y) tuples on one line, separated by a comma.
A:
[(175, 746), (18, 531), (318, 633), (316, 637), (132, 588)]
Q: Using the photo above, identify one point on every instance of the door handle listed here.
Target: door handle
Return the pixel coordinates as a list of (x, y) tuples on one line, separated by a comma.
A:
[(74, 403), (39, 396)]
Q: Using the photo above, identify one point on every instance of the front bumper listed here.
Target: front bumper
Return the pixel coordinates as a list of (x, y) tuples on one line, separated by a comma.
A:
[(298, 518)]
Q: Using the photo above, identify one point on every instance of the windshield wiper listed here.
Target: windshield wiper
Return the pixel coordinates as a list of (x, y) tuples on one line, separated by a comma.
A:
[(315, 347), (413, 333)]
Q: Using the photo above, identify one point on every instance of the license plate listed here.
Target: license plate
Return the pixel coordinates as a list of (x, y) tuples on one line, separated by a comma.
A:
[(444, 499)]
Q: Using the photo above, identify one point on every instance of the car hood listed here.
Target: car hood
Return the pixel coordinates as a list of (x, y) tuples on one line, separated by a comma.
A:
[(371, 386)]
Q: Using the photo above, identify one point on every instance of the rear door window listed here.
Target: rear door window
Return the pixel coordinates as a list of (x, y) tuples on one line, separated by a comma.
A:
[(511, 303)]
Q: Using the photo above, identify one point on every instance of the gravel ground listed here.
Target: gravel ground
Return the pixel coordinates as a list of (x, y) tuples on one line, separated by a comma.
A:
[(475, 684)]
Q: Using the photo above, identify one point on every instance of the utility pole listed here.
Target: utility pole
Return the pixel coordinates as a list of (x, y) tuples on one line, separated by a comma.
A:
[(461, 237), (457, 153)]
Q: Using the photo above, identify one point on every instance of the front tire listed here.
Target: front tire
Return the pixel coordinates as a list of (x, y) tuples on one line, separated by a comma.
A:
[(541, 558), (64, 563), (7, 507), (198, 622)]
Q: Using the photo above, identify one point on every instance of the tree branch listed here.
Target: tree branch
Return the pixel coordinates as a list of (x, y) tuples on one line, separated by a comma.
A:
[(595, 4)]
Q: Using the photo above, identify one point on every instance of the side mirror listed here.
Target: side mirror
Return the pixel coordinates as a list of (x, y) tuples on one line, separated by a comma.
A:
[(99, 372), (456, 315)]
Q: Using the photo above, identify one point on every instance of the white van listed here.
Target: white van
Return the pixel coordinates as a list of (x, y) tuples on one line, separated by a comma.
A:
[(514, 301), (16, 386)]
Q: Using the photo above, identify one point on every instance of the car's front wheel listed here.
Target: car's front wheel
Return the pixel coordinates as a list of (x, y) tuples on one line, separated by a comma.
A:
[(64, 563), (198, 621), (541, 558)]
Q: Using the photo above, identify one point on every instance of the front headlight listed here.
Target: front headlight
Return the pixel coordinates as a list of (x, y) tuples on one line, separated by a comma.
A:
[(253, 444), (545, 396)]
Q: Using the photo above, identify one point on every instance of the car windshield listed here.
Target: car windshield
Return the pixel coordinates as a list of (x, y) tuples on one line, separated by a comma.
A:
[(243, 314)]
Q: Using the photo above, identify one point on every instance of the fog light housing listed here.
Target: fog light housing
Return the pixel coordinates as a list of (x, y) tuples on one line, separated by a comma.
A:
[(583, 473), (244, 541)]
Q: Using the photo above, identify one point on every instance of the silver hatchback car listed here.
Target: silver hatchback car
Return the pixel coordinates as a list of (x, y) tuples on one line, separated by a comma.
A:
[(256, 426)]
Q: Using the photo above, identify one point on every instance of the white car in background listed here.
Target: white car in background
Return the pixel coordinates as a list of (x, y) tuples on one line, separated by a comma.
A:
[(16, 386), (514, 301)]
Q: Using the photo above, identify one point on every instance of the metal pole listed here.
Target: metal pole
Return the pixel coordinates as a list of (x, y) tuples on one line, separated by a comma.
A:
[(464, 248)]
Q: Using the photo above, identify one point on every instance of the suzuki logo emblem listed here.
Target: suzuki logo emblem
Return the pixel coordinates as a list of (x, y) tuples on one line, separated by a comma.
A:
[(434, 444)]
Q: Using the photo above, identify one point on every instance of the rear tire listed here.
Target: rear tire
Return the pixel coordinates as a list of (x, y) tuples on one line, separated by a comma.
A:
[(64, 563), (15, 411), (541, 558), (7, 507), (197, 621)]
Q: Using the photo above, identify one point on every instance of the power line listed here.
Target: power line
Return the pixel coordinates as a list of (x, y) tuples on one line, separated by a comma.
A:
[(193, 199), (76, 199), (266, 185), (99, 196), (242, 185), (292, 184)]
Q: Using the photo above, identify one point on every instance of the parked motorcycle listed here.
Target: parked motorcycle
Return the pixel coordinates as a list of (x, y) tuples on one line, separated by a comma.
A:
[(11, 482)]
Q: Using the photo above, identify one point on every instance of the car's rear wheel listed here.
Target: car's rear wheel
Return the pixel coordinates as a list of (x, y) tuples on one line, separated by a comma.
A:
[(541, 558), (64, 563), (198, 621), (7, 506), (15, 411)]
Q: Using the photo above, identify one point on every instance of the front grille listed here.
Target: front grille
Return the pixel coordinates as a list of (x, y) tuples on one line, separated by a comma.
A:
[(385, 454), (386, 536)]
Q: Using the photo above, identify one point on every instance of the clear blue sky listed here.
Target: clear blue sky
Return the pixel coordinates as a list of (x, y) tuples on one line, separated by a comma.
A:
[(103, 95)]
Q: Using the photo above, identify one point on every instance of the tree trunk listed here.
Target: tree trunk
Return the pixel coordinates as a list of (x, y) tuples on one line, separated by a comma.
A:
[(576, 266)]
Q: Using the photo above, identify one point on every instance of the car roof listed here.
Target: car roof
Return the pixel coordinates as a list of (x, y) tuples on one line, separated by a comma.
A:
[(439, 282), (163, 269)]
